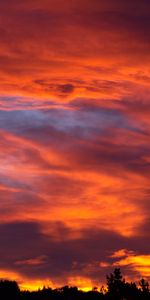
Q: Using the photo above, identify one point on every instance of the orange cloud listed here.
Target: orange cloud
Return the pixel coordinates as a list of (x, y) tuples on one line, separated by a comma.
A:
[(52, 50), (139, 263)]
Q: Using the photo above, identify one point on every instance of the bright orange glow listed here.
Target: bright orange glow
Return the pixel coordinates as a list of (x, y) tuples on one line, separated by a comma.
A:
[(84, 284)]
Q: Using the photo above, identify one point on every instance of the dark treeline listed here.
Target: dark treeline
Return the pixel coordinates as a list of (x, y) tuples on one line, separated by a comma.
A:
[(117, 289)]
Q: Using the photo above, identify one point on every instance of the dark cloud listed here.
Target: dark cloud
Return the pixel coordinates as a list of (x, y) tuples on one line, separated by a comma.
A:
[(66, 88), (22, 242), (60, 89)]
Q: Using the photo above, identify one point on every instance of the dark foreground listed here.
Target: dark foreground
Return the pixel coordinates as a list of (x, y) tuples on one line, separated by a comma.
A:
[(117, 289)]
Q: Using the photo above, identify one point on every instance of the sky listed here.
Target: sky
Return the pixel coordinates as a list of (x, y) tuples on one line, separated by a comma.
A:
[(74, 141)]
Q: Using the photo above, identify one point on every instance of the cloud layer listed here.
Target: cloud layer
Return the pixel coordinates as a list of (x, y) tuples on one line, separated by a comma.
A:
[(74, 131)]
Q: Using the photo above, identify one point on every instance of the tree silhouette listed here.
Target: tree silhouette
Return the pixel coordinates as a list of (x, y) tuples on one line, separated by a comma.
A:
[(115, 284), (9, 290), (144, 287)]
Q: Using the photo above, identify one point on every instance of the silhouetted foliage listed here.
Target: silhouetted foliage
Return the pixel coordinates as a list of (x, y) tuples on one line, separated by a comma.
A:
[(144, 287), (116, 285), (9, 289), (117, 289)]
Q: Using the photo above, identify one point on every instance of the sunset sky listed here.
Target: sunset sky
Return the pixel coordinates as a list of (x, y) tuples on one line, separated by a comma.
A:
[(74, 141)]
